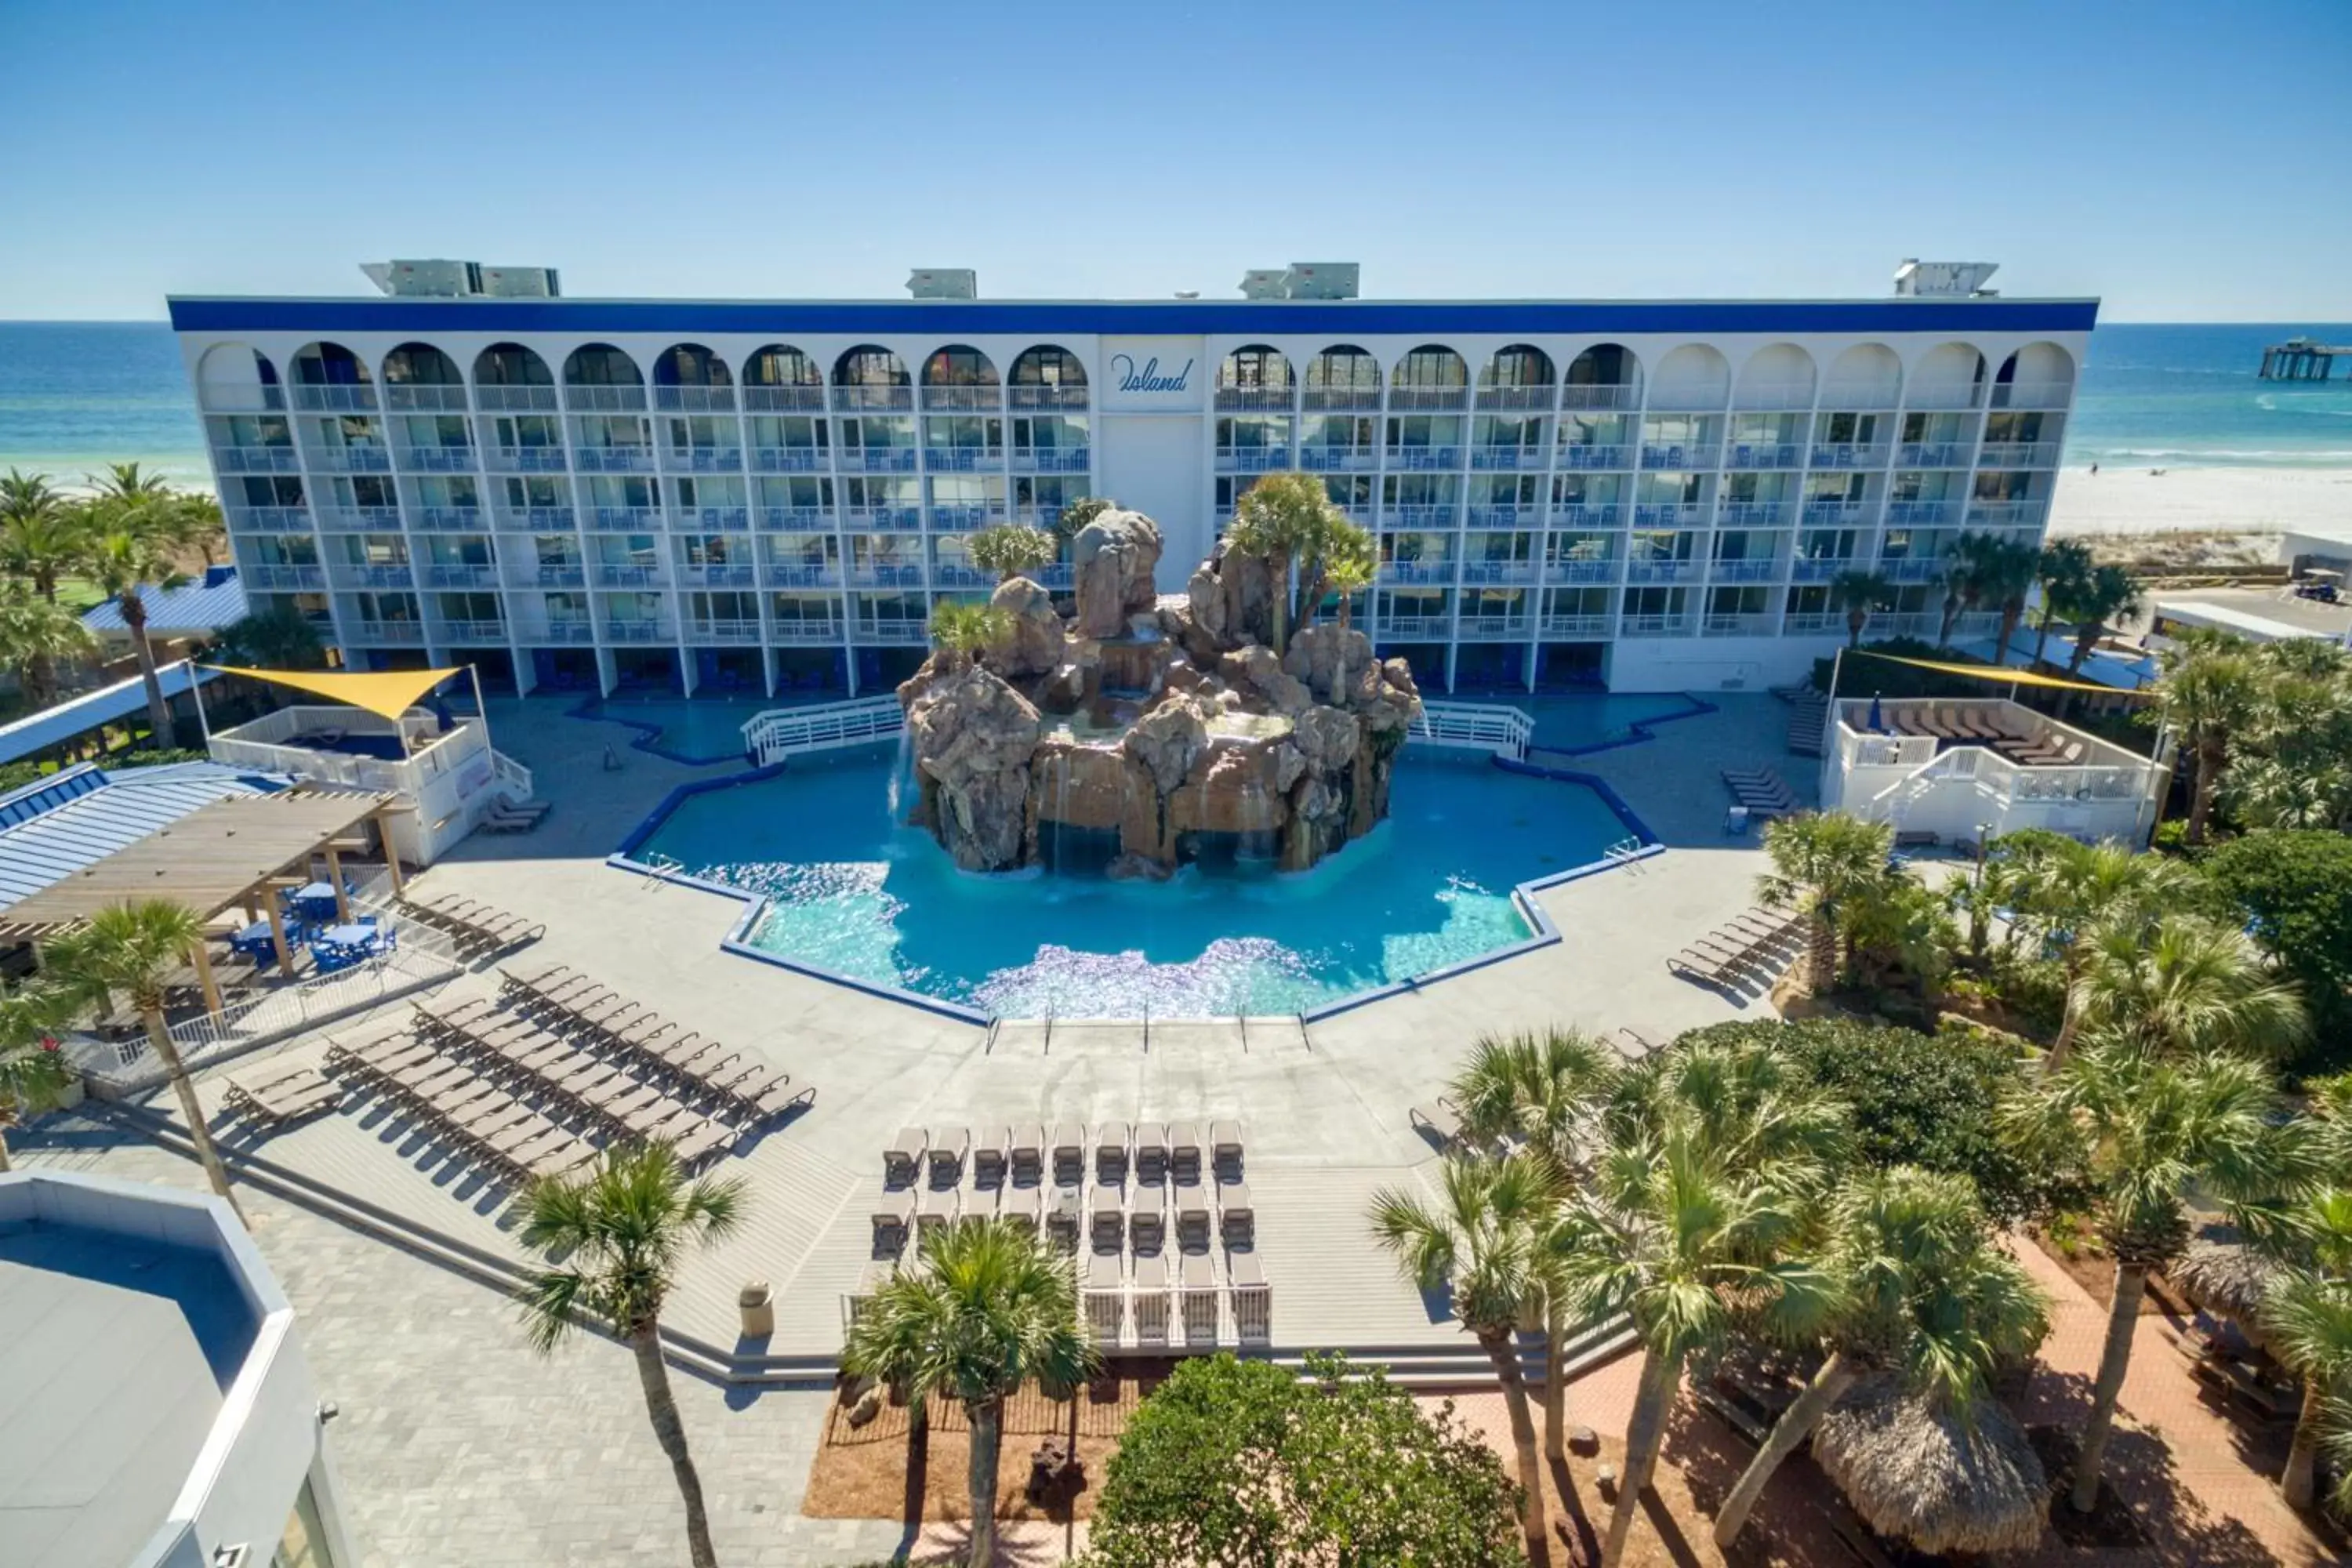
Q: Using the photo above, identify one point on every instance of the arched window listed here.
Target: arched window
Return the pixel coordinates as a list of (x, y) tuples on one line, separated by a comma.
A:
[(1254, 376), (508, 375), (1867, 375), (688, 376), (960, 376), (1343, 376), (1950, 376), (871, 376), (1431, 376), (418, 376), (1778, 376), (328, 375), (2039, 376), (236, 378), (781, 376), (1606, 375), (600, 376), (1048, 377), (1519, 376)]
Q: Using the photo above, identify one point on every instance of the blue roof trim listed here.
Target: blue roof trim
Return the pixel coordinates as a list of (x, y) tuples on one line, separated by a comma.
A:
[(126, 806), (1371, 317)]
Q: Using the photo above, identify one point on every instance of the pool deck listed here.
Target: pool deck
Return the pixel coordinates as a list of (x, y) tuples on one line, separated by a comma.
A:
[(1323, 1107)]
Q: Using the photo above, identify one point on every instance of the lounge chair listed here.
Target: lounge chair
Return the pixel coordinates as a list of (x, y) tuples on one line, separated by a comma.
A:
[(1237, 1219), (1023, 1205), (1110, 1152), (989, 1155), (904, 1157), (948, 1147), (1062, 1216), (1147, 1219), (1184, 1149), (936, 1207), (1107, 1217), (1069, 1149), (286, 1097), (894, 1217), (1225, 1142), (1151, 1150), (1196, 1282), (1440, 1120), (1028, 1144), (1149, 1299), (1191, 1216)]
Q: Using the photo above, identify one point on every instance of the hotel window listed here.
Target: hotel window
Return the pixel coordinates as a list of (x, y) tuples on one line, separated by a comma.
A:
[(554, 550), (522, 493), (1257, 368), (378, 550), (1654, 601), (1416, 430), (1933, 484), (804, 610), (1745, 601), (1348, 493), (267, 489), (1749, 488), (1936, 427), (365, 489), (2004, 486), (1835, 488), (1253, 433), (858, 432), (801, 435), (1587, 489), (1344, 369), (1656, 544), (1047, 493), (1505, 433), (1505, 490), (969, 432), (1420, 489), (1563, 548), (1594, 429), (701, 433), (1434, 368), (1826, 544), (528, 430), (249, 430), (1671, 489), (607, 430), (801, 490), (469, 607), (893, 490), (1048, 432), (1848, 429), (435, 430), (1504, 548), (604, 489), (1338, 431), (451, 490), (1049, 365)]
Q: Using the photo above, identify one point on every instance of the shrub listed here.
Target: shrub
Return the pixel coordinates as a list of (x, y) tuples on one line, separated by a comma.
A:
[(2292, 890)]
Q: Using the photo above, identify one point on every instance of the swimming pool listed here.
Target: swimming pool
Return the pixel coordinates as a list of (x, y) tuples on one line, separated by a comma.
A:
[(855, 892)]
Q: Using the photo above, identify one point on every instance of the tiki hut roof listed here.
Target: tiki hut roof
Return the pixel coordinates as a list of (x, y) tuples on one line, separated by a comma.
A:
[(1911, 1469), (2221, 1271)]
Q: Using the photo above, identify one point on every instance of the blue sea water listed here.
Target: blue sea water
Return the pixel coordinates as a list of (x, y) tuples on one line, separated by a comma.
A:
[(857, 893), (74, 395)]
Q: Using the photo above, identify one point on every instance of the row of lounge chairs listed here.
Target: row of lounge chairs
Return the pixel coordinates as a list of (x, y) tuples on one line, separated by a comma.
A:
[(1156, 1149), (1982, 727), (504, 815), (1132, 1298), (284, 1098), (474, 929), (1762, 791), (1110, 1217), (1145, 1179), (735, 1085), (1753, 949), (467, 1105)]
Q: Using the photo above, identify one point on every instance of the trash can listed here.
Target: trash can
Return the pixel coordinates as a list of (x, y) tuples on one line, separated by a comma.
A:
[(759, 1305), (1734, 822)]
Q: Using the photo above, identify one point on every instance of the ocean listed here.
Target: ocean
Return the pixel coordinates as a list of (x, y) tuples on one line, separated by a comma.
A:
[(74, 395)]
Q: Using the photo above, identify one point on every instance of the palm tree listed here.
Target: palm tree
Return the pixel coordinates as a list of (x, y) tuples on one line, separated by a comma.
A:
[(278, 639), (2307, 1322), (2063, 573), (1286, 519), (992, 1306), (1480, 1241), (128, 555), (2007, 574), (125, 481), (1824, 863), (963, 629), (132, 950), (2180, 984), (2093, 605), (2210, 688), (2142, 1128), (1542, 1089), (42, 533), (1920, 1291), (36, 635), (1350, 561), (2066, 893), (1011, 551), (1858, 594), (614, 1237), (34, 1073), (1962, 577)]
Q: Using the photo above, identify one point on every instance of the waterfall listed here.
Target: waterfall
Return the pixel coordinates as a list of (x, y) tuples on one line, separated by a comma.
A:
[(900, 772)]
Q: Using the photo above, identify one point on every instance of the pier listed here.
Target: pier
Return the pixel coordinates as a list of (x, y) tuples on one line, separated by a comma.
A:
[(2300, 359)]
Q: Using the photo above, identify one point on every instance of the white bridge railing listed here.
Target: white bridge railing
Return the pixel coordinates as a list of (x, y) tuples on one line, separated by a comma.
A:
[(781, 732), (1474, 726)]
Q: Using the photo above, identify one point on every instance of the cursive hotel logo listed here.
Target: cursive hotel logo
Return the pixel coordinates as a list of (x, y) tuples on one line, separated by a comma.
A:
[(1149, 378)]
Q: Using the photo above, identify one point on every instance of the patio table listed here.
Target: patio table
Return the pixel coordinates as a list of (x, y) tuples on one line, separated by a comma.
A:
[(315, 901)]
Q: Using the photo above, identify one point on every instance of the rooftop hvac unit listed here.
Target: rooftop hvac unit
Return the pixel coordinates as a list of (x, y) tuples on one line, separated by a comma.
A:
[(1265, 283), (1942, 279), (1322, 280), (943, 283), (461, 279), (520, 282)]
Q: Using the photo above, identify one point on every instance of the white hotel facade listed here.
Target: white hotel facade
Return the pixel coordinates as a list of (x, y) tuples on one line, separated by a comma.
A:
[(765, 497)]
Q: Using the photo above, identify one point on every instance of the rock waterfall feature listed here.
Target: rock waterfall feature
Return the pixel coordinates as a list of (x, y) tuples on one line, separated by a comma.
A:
[(1166, 727)]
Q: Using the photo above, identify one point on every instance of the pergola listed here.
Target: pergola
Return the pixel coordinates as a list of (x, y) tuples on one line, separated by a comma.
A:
[(233, 853)]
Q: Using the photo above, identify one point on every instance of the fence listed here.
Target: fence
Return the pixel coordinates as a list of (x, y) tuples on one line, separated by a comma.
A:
[(781, 732), (1472, 726)]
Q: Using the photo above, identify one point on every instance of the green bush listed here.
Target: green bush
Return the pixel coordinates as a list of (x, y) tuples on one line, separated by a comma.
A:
[(2292, 890), (1918, 1101), (1234, 1461), (1880, 677)]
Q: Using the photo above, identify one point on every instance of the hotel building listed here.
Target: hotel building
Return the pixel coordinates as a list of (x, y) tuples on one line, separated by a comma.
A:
[(764, 497)]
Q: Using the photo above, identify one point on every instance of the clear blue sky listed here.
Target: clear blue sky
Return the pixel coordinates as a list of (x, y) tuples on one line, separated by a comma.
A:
[(2188, 162)]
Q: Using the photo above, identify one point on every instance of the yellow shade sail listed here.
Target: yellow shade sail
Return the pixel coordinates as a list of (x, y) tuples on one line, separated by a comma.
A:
[(1996, 675), (388, 692)]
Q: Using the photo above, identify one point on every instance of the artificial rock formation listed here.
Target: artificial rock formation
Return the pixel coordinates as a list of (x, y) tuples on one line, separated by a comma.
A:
[(1163, 724)]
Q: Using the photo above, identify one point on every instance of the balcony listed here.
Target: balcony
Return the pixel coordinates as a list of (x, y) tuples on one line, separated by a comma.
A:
[(1812, 623), (570, 629), (1575, 628), (1668, 625), (1766, 455), (1762, 623), (256, 398), (1493, 628), (793, 574), (863, 399), (1425, 628), (360, 519), (1944, 397), (1058, 575), (964, 518), (876, 459), (1432, 572), (625, 519), (796, 519), (471, 632), (351, 459), (1589, 514), (548, 459), (283, 579), (1750, 513), (2033, 395), (450, 519), (878, 574), (269, 519), (1679, 454), (710, 519), (2017, 455), (1579, 395), (1341, 399), (605, 399), (1932, 455), (716, 629), (1779, 396), (1504, 516), (1764, 570), (1413, 459), (881, 519), (1860, 397), (534, 519), (1518, 396), (1253, 460), (1911, 569), (2006, 513), (1504, 457), (1671, 514), (516, 399), (717, 575), (802, 633), (1835, 513), (960, 459), (1601, 571), (1922, 512), (1482, 573), (257, 460), (981, 399), (1051, 459), (704, 459), (1421, 516), (1267, 399), (696, 399), (946, 576), (1822, 568), (402, 633), (614, 459), (552, 575), (424, 399), (1645, 571), (1046, 397), (357, 399), (1850, 453), (449, 459), (1596, 455), (1338, 460), (628, 574), (894, 629), (459, 575), (783, 399), (638, 629), (787, 459)]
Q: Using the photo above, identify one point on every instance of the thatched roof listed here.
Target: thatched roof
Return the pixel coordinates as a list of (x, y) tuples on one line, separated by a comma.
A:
[(1913, 1470), (2221, 1272)]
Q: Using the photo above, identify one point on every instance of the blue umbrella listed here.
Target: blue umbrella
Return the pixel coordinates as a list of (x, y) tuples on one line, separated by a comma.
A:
[(1877, 719)]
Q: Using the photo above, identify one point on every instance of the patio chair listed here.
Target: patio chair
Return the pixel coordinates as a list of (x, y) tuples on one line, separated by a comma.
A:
[(1184, 1149), (1441, 1121), (1225, 1144), (1147, 1219), (948, 1147), (1110, 1152), (1027, 1157), (1237, 1219), (1151, 1150), (286, 1097), (1107, 1217), (1193, 1216), (904, 1157), (1069, 1150), (894, 1218), (989, 1155)]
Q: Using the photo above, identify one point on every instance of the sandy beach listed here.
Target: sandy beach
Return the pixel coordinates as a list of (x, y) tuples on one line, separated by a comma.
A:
[(2132, 500)]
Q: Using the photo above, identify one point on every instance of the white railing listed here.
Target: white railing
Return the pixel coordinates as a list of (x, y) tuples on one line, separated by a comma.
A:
[(783, 732), (511, 776), (1474, 726)]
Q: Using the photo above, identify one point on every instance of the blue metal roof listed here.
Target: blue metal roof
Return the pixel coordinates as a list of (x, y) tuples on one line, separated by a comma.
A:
[(214, 601), (52, 726), (92, 812)]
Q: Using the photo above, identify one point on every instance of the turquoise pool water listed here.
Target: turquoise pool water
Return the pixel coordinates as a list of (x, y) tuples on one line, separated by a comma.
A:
[(858, 894)]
